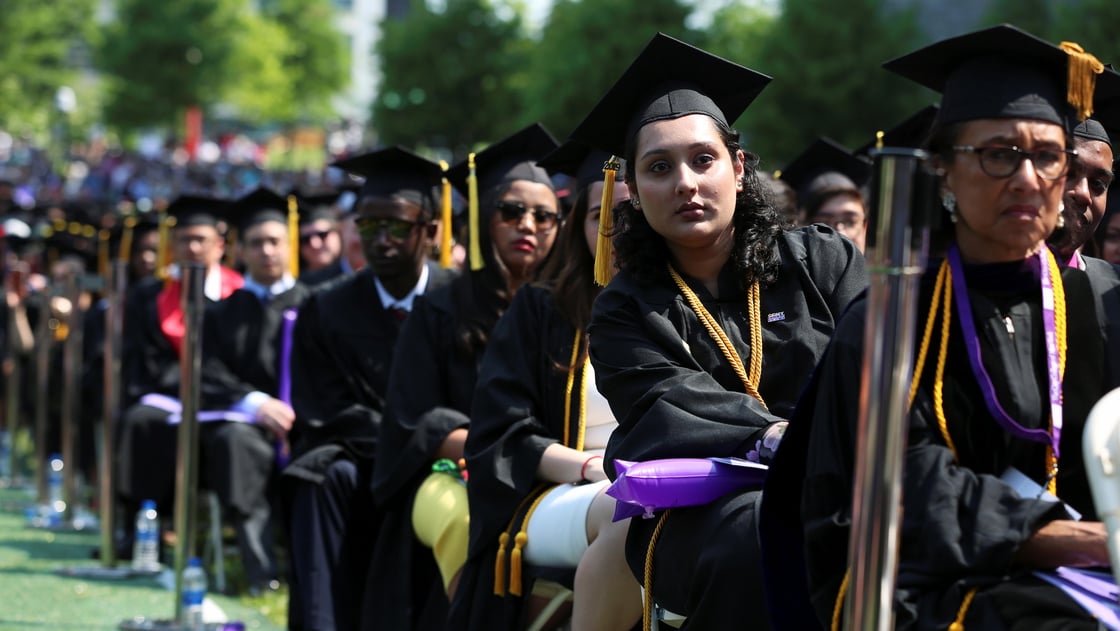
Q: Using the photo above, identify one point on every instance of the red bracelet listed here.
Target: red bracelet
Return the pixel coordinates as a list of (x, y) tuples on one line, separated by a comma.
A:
[(583, 469)]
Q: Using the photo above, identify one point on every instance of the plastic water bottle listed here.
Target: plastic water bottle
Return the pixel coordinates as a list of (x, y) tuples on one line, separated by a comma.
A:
[(5, 455), (145, 548), (194, 592), (54, 484)]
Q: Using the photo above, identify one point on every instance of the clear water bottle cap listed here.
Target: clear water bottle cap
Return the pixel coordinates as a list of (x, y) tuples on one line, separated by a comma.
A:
[(148, 505)]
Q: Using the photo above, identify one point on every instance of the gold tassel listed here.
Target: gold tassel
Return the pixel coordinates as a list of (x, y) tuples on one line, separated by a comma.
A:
[(472, 216), (164, 246), (604, 253), (124, 252), (879, 139), (515, 562), (75, 228), (103, 253), (500, 566), (1083, 71), (293, 235), (445, 220)]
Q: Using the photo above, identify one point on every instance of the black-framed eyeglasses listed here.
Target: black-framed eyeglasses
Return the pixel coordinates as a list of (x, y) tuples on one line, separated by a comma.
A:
[(512, 212), (305, 239), (1001, 162), (370, 228)]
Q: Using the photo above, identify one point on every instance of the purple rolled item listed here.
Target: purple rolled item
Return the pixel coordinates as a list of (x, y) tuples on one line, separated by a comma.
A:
[(645, 487), (174, 409), (1095, 592)]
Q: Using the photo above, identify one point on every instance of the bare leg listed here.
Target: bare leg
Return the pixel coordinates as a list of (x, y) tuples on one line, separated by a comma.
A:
[(607, 598)]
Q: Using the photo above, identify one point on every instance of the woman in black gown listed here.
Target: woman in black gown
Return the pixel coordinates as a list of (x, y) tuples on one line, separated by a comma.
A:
[(703, 340), (1010, 361)]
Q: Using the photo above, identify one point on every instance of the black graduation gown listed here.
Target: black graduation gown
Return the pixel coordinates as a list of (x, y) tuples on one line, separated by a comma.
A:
[(324, 277), (675, 395), (1104, 278), (430, 390), (518, 412), (242, 340), (961, 525), (149, 362), (341, 356)]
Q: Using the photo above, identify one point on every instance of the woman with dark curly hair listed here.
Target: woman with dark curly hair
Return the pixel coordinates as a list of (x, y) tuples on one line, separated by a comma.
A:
[(717, 316)]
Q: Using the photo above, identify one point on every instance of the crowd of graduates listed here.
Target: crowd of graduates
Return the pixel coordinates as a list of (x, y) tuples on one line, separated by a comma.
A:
[(419, 379)]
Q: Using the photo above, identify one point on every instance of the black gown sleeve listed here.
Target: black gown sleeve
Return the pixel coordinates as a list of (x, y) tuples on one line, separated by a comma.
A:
[(418, 411), (510, 416), (227, 333)]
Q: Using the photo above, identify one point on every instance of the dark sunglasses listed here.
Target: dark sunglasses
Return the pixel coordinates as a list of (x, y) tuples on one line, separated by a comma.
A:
[(512, 212), (305, 239), (370, 228)]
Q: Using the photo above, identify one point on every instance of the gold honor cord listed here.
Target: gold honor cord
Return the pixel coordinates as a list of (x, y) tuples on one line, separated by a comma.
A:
[(943, 290), (750, 382)]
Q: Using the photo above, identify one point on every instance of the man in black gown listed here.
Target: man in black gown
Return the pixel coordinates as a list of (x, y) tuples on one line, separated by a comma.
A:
[(343, 350), (245, 370)]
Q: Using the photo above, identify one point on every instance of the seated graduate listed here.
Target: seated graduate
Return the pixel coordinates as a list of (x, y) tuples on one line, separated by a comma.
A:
[(512, 227), (320, 238), (244, 369), (153, 336), (342, 352), (829, 182), (706, 336), (538, 431), (1004, 375), (1083, 207)]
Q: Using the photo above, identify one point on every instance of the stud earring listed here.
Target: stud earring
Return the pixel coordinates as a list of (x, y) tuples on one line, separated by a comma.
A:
[(637, 203), (1061, 221), (949, 201)]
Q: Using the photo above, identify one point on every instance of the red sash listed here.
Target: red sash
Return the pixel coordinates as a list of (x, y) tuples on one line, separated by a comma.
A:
[(170, 312)]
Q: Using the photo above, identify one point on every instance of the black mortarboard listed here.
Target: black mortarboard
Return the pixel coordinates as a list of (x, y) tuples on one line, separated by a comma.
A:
[(260, 205), (395, 172), (825, 167), (580, 161), (1004, 72), (510, 159), (197, 210), (669, 79), (316, 206), (1092, 129), (911, 133)]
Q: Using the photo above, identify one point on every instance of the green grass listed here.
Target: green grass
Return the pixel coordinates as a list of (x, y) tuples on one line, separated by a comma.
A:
[(35, 596)]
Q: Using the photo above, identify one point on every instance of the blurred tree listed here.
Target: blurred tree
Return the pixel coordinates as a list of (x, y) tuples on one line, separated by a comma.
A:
[(739, 31), (160, 58), (585, 47), (1034, 16), (1091, 23), (313, 58), (42, 47), (825, 58), (453, 78)]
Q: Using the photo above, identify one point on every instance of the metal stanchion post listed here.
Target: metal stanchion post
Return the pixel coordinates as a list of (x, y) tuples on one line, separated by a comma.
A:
[(71, 394), (114, 334), (897, 243), (11, 404), (186, 471), (44, 340)]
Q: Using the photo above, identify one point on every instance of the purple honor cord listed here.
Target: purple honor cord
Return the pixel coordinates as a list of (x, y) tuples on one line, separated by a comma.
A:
[(1053, 362), (285, 376)]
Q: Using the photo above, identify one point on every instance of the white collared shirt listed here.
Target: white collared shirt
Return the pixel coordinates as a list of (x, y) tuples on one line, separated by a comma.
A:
[(275, 289), (389, 302)]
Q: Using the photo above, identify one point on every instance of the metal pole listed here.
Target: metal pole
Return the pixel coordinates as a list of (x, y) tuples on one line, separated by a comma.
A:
[(11, 397), (44, 340), (111, 402), (898, 239), (71, 393), (186, 472)]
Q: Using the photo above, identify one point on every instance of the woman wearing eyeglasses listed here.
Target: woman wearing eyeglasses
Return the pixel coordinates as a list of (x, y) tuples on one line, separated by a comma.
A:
[(1009, 363), (423, 538)]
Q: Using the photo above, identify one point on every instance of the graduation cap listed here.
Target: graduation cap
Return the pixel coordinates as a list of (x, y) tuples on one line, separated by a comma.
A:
[(580, 161), (911, 133), (184, 211), (825, 168), (262, 205), (129, 229), (397, 173), (668, 79), (316, 206), (510, 159), (1004, 72)]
